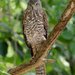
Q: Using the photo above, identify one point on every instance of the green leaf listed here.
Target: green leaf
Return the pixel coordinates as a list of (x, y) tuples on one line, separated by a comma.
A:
[(72, 47), (67, 35), (6, 27)]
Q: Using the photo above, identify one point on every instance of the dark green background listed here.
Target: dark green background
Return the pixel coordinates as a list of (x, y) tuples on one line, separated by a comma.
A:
[(13, 50)]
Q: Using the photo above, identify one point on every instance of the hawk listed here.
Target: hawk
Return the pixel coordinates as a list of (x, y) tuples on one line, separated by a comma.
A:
[(35, 26)]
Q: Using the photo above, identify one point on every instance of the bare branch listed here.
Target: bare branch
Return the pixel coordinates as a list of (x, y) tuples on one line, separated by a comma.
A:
[(37, 59)]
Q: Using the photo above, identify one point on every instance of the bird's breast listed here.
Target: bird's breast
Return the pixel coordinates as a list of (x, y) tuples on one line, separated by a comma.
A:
[(34, 27)]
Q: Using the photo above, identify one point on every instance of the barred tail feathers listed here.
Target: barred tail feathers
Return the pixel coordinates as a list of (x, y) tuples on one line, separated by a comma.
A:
[(41, 70)]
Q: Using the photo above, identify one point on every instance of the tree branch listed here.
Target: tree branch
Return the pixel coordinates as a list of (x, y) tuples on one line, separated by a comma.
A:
[(37, 59)]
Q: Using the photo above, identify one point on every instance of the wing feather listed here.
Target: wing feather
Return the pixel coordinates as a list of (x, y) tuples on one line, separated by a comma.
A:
[(45, 21), (25, 38)]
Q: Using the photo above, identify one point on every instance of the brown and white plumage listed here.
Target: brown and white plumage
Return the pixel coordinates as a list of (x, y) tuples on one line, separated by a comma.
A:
[(35, 29)]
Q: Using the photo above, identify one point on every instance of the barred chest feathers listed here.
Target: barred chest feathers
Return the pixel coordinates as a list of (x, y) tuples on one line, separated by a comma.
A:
[(34, 26)]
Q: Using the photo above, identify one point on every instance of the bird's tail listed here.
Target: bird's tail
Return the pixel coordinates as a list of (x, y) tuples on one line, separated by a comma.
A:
[(41, 70)]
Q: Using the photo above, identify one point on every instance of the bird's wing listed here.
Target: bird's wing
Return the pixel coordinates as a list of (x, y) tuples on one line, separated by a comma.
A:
[(45, 21), (24, 23)]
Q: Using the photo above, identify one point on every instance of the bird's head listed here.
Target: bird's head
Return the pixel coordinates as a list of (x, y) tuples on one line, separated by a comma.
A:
[(35, 3)]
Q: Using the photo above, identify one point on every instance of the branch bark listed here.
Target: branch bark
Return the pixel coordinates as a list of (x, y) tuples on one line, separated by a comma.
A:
[(37, 59)]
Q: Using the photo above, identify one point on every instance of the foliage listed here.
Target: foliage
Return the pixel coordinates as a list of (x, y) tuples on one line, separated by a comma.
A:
[(13, 50)]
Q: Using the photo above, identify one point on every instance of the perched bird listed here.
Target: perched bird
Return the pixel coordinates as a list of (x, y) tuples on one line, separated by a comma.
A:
[(35, 27)]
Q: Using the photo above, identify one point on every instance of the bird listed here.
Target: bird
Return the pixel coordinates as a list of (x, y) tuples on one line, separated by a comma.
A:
[(35, 29)]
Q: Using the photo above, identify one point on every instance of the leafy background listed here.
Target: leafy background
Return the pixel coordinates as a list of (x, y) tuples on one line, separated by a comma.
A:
[(13, 50)]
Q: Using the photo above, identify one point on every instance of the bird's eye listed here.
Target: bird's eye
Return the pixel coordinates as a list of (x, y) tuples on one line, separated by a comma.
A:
[(36, 3)]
